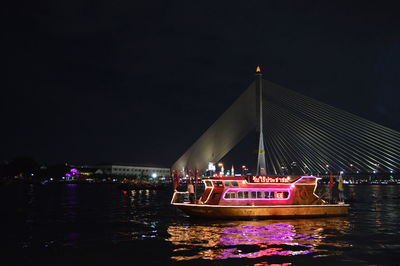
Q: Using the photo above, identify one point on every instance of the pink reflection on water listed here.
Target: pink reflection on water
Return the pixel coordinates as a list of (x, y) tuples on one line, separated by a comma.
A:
[(267, 237), (254, 239)]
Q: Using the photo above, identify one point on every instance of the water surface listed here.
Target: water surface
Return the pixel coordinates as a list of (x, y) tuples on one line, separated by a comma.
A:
[(98, 224)]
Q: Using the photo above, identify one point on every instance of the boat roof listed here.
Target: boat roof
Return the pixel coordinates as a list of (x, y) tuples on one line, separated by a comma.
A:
[(259, 179), (221, 177)]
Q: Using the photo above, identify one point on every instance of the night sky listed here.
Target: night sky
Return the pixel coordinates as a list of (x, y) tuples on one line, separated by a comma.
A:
[(140, 81)]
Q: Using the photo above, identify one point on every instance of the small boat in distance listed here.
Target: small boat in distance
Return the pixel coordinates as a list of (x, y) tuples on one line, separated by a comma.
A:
[(259, 197)]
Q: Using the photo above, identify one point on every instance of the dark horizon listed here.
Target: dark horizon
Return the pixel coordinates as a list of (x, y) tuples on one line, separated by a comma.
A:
[(141, 81)]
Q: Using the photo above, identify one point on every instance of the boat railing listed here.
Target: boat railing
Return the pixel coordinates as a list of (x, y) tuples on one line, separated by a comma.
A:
[(180, 197)]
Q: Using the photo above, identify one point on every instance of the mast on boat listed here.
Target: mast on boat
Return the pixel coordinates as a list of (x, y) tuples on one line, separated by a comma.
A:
[(261, 165)]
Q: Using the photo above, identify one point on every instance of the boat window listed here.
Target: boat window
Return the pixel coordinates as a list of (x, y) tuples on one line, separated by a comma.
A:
[(259, 194), (240, 195), (276, 194), (254, 194), (245, 194), (235, 184), (218, 184), (215, 196), (230, 195), (281, 195), (208, 184), (227, 183)]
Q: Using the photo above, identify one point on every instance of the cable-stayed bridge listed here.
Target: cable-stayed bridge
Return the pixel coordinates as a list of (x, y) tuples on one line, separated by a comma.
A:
[(300, 131)]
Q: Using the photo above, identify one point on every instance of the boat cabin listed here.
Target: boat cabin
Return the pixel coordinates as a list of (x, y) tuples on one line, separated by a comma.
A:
[(260, 191)]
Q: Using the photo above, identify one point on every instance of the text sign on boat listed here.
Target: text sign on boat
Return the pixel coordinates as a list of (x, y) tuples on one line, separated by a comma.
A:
[(269, 179)]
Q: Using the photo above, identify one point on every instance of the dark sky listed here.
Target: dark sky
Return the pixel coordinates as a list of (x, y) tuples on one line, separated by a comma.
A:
[(139, 81)]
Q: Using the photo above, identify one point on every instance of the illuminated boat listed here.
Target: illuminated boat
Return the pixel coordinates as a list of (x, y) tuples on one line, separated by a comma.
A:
[(260, 197)]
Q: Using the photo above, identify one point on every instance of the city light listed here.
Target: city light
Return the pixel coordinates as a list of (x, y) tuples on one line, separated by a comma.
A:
[(222, 168)]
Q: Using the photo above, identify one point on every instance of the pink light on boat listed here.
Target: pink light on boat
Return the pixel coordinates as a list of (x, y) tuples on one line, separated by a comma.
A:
[(268, 179)]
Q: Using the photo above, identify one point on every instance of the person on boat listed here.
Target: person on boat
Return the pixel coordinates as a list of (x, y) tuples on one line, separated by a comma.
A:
[(331, 185), (190, 188), (340, 188)]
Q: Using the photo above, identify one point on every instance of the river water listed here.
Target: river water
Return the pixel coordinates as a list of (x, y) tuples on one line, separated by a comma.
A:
[(98, 224)]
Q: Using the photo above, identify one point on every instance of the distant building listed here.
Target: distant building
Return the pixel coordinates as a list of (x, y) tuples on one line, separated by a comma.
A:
[(124, 170)]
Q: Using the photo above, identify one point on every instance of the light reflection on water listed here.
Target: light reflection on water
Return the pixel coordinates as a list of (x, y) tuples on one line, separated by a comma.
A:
[(88, 217), (254, 239)]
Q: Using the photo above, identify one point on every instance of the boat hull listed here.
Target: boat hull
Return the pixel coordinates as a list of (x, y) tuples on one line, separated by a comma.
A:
[(284, 211)]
